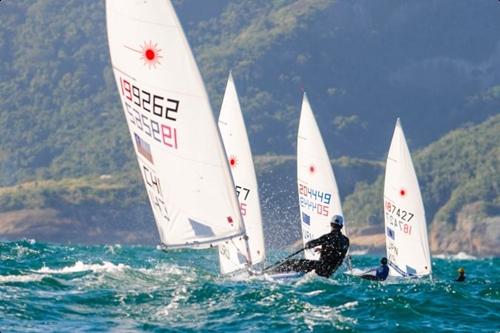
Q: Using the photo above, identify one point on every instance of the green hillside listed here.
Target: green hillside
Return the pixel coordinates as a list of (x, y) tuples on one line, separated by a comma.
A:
[(434, 63), (362, 64)]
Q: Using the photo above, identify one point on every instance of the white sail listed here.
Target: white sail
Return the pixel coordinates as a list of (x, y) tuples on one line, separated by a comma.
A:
[(178, 146), (233, 254), (319, 198), (405, 226)]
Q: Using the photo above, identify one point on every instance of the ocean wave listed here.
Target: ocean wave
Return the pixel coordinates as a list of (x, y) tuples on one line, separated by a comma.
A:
[(318, 315), (358, 252), (79, 266), (161, 270), (458, 256), (30, 241), (113, 249), (21, 278)]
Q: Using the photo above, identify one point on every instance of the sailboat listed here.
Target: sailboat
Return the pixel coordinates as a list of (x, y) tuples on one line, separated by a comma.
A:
[(178, 146), (237, 254), (407, 243), (319, 198)]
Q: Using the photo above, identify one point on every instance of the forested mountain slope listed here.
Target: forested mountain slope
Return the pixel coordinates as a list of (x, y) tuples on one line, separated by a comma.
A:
[(435, 63)]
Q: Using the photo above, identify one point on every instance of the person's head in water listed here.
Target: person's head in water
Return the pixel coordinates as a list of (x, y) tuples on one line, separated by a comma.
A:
[(383, 261), (461, 275), (337, 222)]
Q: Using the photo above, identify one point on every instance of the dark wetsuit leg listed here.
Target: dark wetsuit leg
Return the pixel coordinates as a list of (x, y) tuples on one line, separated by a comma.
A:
[(296, 265), (369, 277), (327, 267)]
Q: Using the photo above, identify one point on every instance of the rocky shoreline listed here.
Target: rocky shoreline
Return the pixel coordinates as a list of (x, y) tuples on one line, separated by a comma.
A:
[(105, 225)]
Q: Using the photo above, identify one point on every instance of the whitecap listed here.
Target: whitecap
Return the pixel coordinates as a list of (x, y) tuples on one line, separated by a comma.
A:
[(20, 278), (458, 256), (163, 269), (30, 241), (325, 314), (79, 266), (314, 293), (113, 248), (347, 306), (358, 252), (22, 251)]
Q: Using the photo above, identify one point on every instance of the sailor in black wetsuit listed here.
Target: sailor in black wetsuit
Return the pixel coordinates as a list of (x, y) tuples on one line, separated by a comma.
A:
[(334, 246)]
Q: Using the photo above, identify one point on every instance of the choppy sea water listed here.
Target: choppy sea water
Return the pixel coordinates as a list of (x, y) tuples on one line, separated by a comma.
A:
[(45, 288)]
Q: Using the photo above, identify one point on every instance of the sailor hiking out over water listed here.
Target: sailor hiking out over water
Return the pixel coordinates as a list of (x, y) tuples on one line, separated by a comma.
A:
[(334, 246)]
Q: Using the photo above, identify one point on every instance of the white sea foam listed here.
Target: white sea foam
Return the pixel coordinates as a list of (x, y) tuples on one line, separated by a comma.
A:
[(113, 248), (30, 241), (347, 306), (20, 278), (458, 256), (164, 269), (180, 294), (358, 252), (22, 251), (79, 266), (320, 314), (314, 292)]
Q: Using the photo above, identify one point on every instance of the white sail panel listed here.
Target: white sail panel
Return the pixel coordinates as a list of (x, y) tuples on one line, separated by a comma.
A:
[(405, 225), (176, 140), (233, 253), (319, 198)]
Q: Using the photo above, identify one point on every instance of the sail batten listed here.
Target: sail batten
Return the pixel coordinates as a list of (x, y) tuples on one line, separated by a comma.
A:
[(178, 146), (319, 198)]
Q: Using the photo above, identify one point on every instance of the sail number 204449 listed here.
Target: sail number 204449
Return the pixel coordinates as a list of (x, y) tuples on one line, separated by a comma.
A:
[(314, 200)]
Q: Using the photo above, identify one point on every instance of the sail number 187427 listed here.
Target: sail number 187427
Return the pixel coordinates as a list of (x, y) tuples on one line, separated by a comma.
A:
[(398, 217)]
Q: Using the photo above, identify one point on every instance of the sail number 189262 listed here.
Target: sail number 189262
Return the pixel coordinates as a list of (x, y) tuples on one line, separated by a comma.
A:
[(141, 109)]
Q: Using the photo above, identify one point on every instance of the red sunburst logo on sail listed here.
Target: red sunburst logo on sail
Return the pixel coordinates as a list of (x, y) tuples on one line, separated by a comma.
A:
[(312, 169), (151, 54), (233, 161), (402, 192)]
